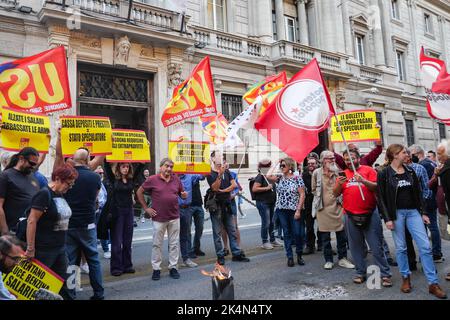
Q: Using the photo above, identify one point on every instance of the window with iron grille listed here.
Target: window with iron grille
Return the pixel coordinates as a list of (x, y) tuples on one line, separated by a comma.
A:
[(379, 117), (231, 108), (442, 131), (410, 139), (94, 85)]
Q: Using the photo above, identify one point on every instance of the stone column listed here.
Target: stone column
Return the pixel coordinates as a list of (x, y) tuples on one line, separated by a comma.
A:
[(375, 26), (279, 10), (347, 29), (414, 47), (387, 33), (302, 21), (442, 26), (262, 9)]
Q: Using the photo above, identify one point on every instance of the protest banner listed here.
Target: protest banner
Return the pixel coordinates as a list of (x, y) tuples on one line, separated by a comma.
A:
[(190, 157), (37, 84), (129, 146), (27, 277), (22, 129), (357, 126), (92, 133)]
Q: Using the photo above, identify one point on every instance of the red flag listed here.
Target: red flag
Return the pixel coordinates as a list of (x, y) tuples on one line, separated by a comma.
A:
[(36, 84), (301, 110), (436, 81), (193, 97)]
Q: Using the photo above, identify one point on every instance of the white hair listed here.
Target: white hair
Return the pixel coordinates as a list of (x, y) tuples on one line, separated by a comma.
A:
[(446, 145), (325, 153)]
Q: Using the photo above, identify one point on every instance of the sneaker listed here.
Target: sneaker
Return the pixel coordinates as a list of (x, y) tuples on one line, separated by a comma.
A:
[(135, 224), (189, 263), (142, 220), (174, 273), (277, 243), (84, 268), (221, 260), (438, 259), (328, 265), (300, 261), (107, 255), (156, 275), (243, 216), (240, 258), (344, 263), (267, 246)]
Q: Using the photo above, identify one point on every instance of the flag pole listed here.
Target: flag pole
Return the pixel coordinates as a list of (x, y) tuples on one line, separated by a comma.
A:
[(348, 152), (245, 152)]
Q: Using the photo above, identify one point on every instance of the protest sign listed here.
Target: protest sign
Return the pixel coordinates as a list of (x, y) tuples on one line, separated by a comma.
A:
[(27, 277), (190, 157), (92, 133), (129, 146), (37, 84), (357, 126), (23, 129)]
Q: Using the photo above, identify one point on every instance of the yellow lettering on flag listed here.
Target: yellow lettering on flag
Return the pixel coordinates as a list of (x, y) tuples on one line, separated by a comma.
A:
[(129, 146), (92, 133), (190, 157), (27, 277), (357, 126), (22, 129)]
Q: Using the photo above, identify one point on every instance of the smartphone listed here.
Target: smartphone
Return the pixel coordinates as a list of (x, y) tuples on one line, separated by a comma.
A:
[(342, 174)]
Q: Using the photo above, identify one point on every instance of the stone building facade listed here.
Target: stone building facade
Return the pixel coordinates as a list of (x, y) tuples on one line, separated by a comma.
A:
[(124, 62)]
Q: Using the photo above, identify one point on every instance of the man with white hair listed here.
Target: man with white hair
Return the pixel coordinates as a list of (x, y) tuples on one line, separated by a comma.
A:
[(418, 156)]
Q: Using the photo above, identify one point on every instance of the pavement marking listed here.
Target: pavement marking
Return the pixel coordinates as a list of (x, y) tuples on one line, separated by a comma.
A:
[(207, 231)]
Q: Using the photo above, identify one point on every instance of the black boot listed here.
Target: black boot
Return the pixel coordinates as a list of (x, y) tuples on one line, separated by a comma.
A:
[(290, 262), (300, 260)]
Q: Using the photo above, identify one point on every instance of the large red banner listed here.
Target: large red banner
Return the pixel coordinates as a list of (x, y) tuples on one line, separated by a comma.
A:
[(37, 84)]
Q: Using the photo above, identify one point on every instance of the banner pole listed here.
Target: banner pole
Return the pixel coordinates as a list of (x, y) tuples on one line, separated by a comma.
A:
[(348, 152), (434, 132)]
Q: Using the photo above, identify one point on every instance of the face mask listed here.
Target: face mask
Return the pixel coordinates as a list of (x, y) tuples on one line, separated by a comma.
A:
[(415, 159)]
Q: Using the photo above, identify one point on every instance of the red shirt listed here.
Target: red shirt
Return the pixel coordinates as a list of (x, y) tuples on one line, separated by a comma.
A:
[(164, 196), (352, 196)]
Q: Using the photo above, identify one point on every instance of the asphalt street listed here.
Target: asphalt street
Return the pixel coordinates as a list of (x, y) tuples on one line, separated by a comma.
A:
[(265, 277)]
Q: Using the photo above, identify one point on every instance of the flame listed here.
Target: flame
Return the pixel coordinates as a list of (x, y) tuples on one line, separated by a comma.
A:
[(219, 272)]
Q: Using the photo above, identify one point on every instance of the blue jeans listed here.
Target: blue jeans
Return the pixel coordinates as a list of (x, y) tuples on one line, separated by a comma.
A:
[(224, 217), (413, 221), (266, 212), (435, 234), (84, 240), (292, 232), (233, 207), (198, 215), (373, 233), (185, 232)]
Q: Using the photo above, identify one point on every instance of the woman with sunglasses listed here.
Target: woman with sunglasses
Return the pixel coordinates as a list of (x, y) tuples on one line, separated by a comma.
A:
[(289, 203), (48, 222)]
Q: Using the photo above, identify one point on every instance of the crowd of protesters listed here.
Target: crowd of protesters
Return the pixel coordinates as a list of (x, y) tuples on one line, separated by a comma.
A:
[(89, 201)]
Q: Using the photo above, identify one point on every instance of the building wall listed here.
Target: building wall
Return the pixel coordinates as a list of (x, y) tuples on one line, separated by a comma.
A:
[(236, 65)]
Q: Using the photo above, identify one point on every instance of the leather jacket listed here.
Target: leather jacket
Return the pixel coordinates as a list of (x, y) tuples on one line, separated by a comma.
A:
[(387, 187)]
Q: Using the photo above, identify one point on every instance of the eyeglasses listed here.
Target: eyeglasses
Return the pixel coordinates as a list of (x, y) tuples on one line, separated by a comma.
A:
[(330, 158), (283, 166)]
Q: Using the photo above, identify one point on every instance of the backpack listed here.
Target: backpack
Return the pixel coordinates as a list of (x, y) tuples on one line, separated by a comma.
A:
[(250, 185), (210, 202), (21, 226)]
